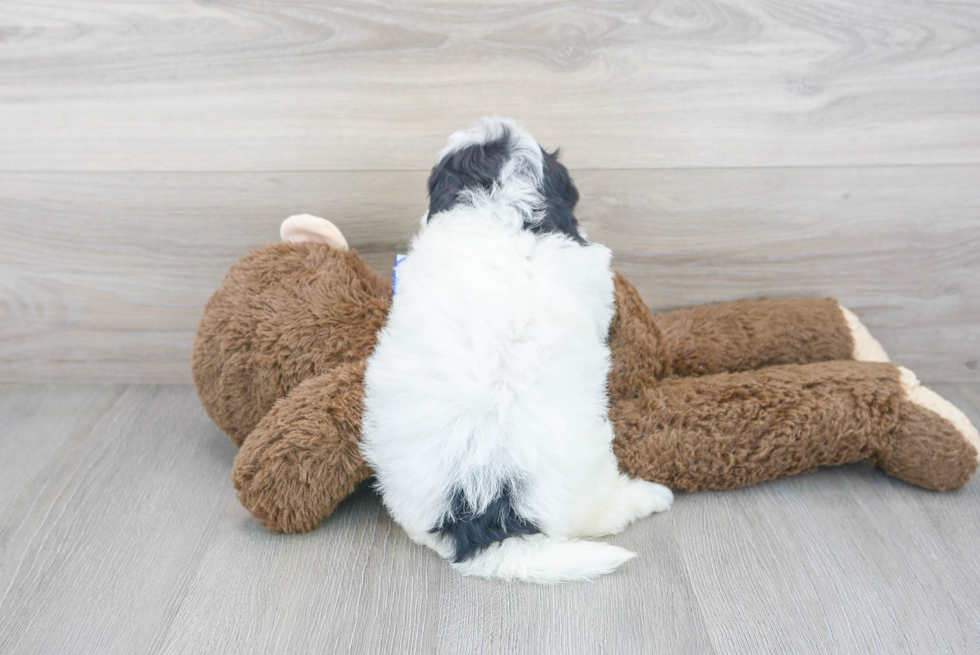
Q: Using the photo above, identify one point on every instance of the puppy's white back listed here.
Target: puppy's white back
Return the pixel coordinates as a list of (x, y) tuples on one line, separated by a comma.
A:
[(492, 359), (485, 399)]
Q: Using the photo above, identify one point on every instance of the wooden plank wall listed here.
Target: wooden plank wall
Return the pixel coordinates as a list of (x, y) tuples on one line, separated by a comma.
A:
[(723, 150)]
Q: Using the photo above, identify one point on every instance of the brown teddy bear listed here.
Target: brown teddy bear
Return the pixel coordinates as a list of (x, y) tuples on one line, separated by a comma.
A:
[(712, 397)]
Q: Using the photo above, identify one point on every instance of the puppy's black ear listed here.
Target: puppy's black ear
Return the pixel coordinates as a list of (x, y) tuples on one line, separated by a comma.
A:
[(560, 198), (474, 166)]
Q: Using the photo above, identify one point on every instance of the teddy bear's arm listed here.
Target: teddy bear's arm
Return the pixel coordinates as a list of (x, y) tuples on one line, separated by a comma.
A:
[(303, 457), (732, 430)]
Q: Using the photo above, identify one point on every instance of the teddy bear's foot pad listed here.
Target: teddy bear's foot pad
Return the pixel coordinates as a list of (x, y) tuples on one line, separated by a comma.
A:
[(866, 347)]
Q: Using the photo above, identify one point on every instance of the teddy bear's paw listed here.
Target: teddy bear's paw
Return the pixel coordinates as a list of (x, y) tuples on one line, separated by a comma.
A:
[(866, 347), (306, 227), (929, 399), (272, 503)]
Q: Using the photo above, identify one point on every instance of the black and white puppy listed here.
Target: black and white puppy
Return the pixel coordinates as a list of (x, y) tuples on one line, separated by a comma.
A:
[(485, 416)]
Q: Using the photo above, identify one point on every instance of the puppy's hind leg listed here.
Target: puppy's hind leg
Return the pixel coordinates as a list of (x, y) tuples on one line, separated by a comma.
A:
[(645, 498), (625, 501), (616, 500)]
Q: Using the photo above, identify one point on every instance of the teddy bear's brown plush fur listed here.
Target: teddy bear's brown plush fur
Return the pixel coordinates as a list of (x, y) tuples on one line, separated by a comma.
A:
[(711, 397)]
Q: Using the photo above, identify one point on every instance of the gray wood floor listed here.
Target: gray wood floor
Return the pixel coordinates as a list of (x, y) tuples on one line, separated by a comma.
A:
[(120, 533)]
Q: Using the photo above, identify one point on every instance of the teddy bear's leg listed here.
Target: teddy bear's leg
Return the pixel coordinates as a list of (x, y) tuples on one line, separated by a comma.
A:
[(729, 337), (303, 457), (915, 454), (731, 430), (750, 334)]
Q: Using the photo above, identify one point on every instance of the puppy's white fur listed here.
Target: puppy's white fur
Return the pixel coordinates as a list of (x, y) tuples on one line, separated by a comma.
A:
[(492, 368)]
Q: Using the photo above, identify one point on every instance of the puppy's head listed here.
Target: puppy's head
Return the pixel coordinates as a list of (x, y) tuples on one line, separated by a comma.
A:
[(497, 161)]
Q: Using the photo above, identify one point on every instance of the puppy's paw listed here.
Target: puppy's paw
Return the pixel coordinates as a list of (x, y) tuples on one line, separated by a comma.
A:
[(632, 500), (650, 497)]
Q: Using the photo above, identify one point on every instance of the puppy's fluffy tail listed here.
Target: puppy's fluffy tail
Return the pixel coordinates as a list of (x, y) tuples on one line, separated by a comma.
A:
[(544, 559)]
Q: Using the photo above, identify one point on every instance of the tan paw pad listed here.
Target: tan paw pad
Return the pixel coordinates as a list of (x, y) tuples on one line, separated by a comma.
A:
[(866, 347)]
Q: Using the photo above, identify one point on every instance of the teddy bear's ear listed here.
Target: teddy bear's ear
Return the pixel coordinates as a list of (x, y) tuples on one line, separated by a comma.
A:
[(306, 227)]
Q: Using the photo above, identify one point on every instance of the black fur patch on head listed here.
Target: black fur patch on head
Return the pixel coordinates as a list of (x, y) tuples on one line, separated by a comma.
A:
[(560, 198), (478, 166), (471, 533), (474, 167)]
